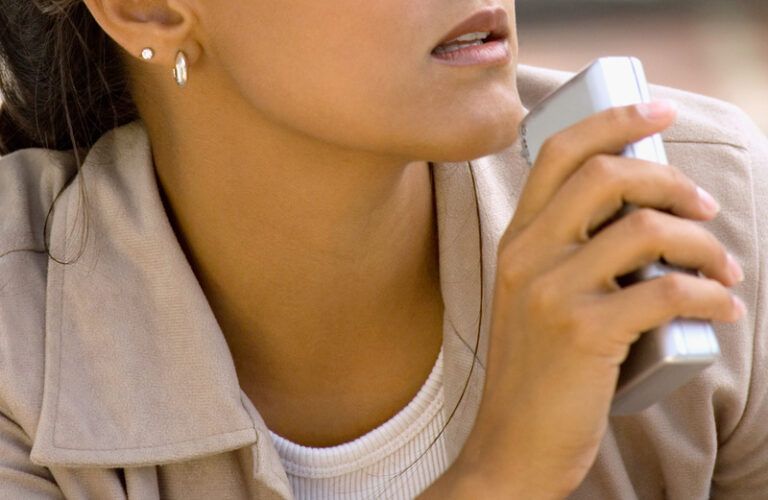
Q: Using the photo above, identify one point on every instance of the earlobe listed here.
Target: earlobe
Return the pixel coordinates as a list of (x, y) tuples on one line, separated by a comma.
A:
[(163, 25)]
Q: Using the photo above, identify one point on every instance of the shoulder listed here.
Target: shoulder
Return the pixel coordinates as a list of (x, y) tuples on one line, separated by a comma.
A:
[(29, 181)]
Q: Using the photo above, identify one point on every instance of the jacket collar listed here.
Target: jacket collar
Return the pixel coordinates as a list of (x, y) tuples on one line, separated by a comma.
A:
[(137, 370)]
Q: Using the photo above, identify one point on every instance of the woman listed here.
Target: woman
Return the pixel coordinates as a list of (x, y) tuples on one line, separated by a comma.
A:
[(302, 287)]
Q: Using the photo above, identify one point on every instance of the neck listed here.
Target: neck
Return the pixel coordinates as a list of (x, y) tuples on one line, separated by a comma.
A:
[(308, 253)]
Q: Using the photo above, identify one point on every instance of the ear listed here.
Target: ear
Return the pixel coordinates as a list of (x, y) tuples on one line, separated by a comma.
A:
[(165, 26)]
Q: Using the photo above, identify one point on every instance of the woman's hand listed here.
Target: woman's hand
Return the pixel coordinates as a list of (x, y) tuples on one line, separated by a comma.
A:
[(561, 326)]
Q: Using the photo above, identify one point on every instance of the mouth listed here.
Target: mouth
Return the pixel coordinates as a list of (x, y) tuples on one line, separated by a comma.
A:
[(483, 27)]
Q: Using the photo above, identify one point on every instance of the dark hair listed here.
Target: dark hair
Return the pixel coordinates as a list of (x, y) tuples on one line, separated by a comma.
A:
[(60, 76)]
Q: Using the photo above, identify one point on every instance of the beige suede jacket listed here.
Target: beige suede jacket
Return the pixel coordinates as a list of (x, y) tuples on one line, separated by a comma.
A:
[(116, 381)]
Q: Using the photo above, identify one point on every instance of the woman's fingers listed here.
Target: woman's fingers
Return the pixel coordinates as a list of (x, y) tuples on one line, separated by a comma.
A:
[(607, 132), (640, 238), (664, 299), (599, 189)]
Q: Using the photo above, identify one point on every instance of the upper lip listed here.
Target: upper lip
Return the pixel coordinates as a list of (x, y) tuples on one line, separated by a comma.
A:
[(492, 19)]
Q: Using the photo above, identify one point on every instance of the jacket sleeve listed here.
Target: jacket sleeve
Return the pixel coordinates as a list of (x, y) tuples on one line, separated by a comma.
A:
[(19, 477), (741, 469)]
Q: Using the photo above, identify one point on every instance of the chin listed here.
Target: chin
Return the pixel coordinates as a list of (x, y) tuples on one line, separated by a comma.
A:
[(475, 136), (476, 124)]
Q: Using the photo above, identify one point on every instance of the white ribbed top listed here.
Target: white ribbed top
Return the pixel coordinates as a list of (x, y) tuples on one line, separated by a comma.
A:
[(374, 465)]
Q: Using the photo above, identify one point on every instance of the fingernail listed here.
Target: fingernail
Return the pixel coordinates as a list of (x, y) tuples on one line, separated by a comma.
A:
[(738, 304), (655, 110), (709, 202), (735, 268)]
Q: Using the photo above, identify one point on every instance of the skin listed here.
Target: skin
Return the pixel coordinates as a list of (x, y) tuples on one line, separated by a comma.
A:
[(294, 169), (297, 182)]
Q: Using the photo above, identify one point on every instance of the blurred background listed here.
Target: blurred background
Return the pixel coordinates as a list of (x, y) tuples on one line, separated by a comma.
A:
[(713, 47)]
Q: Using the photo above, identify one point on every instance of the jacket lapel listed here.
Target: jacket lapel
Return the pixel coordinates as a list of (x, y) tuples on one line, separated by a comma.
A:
[(475, 203), (137, 370)]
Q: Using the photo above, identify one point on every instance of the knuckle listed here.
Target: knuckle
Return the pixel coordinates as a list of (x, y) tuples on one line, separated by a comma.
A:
[(617, 117), (646, 222), (599, 169), (554, 147), (509, 269), (674, 289), (542, 297), (520, 255)]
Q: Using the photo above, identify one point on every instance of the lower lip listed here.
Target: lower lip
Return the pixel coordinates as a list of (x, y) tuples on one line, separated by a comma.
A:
[(487, 54)]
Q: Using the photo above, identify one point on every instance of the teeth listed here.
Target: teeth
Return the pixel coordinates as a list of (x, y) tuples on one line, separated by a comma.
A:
[(467, 40), (455, 46), (471, 36)]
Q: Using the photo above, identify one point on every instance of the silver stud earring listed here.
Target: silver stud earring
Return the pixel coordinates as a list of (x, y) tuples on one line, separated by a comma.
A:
[(180, 70), (147, 53)]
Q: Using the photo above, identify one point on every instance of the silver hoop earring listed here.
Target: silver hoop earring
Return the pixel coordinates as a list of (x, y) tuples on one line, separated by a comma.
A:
[(147, 53), (180, 71)]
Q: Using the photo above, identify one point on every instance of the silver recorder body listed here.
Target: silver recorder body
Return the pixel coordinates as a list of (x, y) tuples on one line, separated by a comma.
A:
[(665, 358)]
